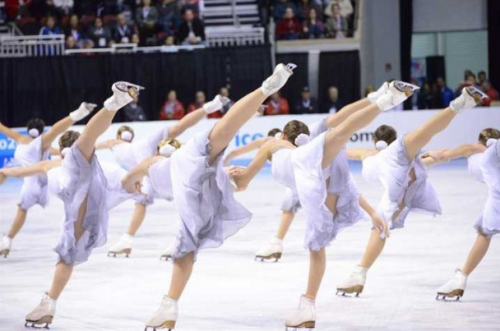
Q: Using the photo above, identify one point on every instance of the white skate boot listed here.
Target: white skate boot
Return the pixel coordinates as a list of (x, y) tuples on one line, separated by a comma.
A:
[(272, 251), (355, 283), (373, 96), (5, 246), (167, 253), (397, 93), (42, 314), (469, 98), (83, 111), (279, 77), (216, 104), (122, 247), (123, 94), (455, 287), (165, 317), (304, 317)]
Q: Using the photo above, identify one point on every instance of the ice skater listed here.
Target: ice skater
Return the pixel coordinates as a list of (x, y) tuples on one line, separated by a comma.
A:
[(319, 171), (254, 145), (204, 195), (32, 149), (401, 167), (129, 153), (88, 192), (483, 160)]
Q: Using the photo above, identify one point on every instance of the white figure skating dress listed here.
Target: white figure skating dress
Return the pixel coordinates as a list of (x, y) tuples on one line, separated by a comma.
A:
[(204, 198), (34, 189)]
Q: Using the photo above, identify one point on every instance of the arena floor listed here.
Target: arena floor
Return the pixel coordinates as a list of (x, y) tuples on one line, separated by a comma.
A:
[(229, 291)]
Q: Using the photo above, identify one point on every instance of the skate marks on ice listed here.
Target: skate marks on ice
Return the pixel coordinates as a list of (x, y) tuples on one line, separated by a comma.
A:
[(230, 291)]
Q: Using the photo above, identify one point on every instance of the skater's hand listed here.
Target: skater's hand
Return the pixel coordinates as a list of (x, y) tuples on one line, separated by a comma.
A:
[(436, 155), (378, 223)]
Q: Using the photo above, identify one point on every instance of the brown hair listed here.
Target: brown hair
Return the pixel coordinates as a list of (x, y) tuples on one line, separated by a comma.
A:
[(68, 138), (385, 133), (273, 132), (124, 128), (488, 133), (293, 129), (173, 142)]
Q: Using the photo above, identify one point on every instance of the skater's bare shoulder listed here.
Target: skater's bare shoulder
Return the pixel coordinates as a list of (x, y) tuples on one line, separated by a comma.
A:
[(108, 144)]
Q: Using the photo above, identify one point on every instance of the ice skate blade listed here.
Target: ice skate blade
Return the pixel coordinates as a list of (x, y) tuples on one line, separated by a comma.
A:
[(452, 296), (34, 324), (5, 253), (168, 326), (476, 94), (125, 252), (274, 256), (304, 325), (357, 290)]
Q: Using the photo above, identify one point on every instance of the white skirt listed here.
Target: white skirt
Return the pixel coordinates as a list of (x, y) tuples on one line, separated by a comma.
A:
[(204, 199), (34, 190), (313, 188), (291, 202), (392, 169), (489, 222), (78, 180)]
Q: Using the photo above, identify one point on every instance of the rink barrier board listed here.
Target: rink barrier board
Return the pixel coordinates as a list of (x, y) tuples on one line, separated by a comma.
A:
[(464, 129)]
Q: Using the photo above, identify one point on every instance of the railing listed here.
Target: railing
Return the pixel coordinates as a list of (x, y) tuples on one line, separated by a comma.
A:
[(22, 46), (133, 48), (234, 36)]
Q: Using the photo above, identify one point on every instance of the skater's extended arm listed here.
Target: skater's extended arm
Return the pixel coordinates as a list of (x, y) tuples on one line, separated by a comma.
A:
[(245, 149), (32, 170), (55, 151), (339, 117), (132, 181), (360, 154), (13, 134), (243, 178), (378, 222), (108, 144), (64, 124), (432, 158), (185, 123)]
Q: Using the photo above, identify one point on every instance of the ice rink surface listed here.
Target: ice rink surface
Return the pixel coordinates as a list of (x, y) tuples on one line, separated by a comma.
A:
[(230, 291)]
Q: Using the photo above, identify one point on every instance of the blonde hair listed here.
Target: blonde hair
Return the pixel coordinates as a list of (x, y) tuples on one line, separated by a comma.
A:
[(67, 139), (173, 142), (124, 128), (488, 133)]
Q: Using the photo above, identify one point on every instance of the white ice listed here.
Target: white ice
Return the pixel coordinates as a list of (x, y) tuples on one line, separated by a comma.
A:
[(229, 291)]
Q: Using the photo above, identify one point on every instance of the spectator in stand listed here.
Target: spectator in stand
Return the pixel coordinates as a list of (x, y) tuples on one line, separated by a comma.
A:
[(336, 25), (224, 91), (191, 30), (289, 27), (424, 97), (313, 28), (99, 34), (481, 77), (169, 45), (122, 32), (169, 15), (470, 80), (199, 100), (75, 30), (345, 6), (304, 7), (172, 109), (71, 43), (191, 4), (491, 92), (50, 27), (147, 18), (446, 92), (334, 102), (135, 39), (277, 105), (280, 8), (63, 7), (133, 112), (436, 101), (307, 104)]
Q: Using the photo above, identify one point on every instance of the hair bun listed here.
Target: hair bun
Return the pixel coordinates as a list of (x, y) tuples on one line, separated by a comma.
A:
[(127, 136), (33, 133), (278, 135), (167, 150), (381, 144), (301, 139), (491, 142)]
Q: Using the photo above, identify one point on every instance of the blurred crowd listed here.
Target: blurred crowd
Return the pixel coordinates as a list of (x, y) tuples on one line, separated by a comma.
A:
[(101, 23), (313, 19)]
